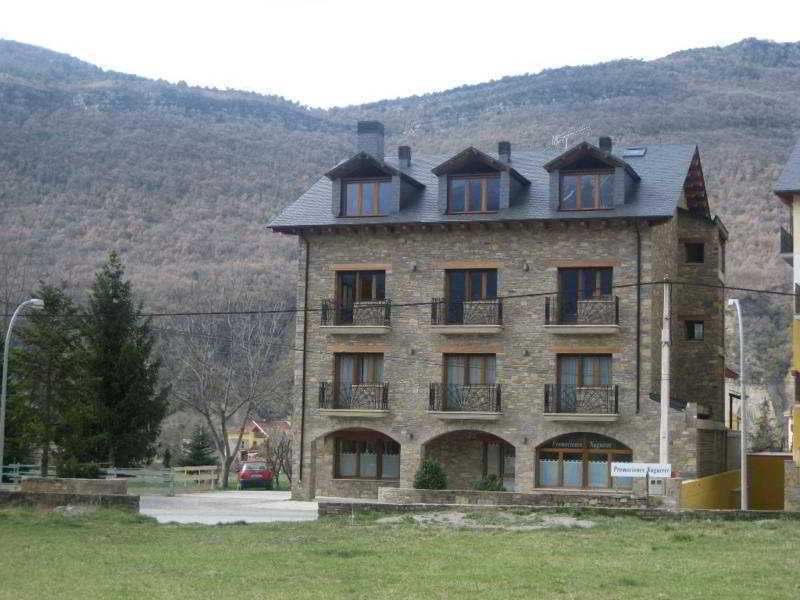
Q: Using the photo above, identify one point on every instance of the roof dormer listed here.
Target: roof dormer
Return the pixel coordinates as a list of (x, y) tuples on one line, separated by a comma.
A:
[(365, 185), (473, 182), (588, 177)]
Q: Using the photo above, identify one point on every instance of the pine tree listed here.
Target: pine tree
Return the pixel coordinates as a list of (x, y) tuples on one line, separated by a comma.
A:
[(122, 374), (49, 366), (200, 451), (430, 476)]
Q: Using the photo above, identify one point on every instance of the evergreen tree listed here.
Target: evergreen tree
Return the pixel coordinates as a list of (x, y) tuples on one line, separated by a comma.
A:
[(764, 436), (430, 476), (200, 451), (121, 373), (18, 447), (49, 366)]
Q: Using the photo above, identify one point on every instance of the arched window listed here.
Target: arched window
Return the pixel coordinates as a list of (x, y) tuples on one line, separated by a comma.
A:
[(581, 460)]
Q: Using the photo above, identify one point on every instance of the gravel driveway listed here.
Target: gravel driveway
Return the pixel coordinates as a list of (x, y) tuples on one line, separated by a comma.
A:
[(210, 508)]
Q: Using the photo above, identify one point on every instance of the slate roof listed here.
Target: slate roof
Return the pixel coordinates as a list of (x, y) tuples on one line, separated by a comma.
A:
[(663, 170), (789, 181)]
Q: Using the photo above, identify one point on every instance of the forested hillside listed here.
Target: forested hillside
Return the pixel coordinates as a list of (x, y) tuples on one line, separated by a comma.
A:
[(181, 181)]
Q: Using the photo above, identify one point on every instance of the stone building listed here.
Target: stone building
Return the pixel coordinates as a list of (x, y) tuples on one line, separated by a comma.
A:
[(502, 312)]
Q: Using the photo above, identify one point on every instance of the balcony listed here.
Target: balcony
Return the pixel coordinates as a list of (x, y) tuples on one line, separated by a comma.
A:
[(568, 315), (358, 318), (787, 246), (467, 317), (465, 402), (595, 403), (365, 400)]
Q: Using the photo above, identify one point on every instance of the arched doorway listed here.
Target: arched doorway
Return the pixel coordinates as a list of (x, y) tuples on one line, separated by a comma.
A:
[(467, 456), (581, 461)]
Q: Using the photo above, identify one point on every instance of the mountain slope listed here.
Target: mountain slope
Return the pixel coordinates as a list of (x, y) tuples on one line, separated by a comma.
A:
[(182, 180)]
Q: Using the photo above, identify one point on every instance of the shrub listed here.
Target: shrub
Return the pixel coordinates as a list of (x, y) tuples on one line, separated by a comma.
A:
[(430, 476), (490, 483), (72, 469)]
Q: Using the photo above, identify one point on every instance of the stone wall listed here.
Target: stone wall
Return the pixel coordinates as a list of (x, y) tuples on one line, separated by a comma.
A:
[(791, 486), (461, 458), (74, 485), (52, 499), (527, 260)]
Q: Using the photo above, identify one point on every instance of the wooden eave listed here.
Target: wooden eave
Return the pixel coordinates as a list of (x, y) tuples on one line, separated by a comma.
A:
[(569, 157), (694, 187), (452, 165)]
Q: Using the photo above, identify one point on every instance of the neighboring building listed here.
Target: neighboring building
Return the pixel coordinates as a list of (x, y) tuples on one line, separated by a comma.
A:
[(787, 189), (254, 436), (484, 309)]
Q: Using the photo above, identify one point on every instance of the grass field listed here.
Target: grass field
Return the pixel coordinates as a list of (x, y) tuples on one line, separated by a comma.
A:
[(116, 555)]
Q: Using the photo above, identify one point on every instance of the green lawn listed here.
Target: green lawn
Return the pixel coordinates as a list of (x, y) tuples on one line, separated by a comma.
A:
[(115, 555)]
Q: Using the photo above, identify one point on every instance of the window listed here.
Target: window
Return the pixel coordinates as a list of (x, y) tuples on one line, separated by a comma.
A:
[(584, 370), (587, 191), (722, 257), (358, 458), (472, 284), (695, 252), (498, 459), (581, 460), (366, 198), (473, 194), (470, 369), (584, 284), (358, 286), (694, 330), (359, 369)]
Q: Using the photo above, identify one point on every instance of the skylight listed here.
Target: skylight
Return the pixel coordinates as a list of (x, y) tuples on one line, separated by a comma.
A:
[(637, 151)]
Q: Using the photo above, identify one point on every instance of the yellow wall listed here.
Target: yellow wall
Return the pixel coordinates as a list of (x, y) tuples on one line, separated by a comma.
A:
[(720, 491), (766, 473), (796, 343)]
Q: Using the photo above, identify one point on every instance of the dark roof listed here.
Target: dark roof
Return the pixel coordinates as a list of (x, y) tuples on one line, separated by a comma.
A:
[(789, 181), (662, 170), (585, 148)]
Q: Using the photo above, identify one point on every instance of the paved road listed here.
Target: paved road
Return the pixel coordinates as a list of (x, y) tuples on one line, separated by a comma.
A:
[(251, 506)]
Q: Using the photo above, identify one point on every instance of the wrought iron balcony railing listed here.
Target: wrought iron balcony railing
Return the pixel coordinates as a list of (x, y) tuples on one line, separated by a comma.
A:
[(371, 312), (787, 242), (464, 398), (354, 396), (467, 312), (571, 310), (578, 399)]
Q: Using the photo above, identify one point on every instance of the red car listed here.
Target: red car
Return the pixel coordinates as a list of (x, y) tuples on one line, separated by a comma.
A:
[(255, 474)]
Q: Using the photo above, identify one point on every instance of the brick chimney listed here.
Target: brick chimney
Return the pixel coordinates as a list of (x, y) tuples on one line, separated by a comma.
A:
[(605, 144), (504, 151), (404, 156), (370, 138)]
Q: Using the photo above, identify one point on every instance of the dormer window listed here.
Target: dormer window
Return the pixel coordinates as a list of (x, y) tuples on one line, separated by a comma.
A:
[(587, 190), (473, 193), (366, 198)]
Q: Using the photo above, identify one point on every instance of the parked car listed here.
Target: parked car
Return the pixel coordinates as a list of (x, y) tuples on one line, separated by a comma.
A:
[(255, 474)]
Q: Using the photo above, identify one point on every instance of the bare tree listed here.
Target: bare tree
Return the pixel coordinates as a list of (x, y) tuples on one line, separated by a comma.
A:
[(225, 365), (278, 450)]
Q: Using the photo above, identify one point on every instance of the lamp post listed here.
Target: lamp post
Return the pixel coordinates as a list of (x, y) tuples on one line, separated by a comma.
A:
[(742, 411), (33, 303)]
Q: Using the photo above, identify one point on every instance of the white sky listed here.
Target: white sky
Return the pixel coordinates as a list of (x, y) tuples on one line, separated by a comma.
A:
[(327, 52)]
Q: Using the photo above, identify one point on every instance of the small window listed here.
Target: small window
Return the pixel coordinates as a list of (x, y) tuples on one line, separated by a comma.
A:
[(587, 191), (366, 198), (694, 330), (695, 253), (473, 194), (722, 257)]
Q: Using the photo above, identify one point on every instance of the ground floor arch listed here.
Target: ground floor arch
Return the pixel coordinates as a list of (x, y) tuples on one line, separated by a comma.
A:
[(581, 460), (354, 462), (468, 455)]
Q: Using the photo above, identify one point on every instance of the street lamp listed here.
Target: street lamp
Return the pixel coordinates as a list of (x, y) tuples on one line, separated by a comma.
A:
[(742, 411), (33, 303)]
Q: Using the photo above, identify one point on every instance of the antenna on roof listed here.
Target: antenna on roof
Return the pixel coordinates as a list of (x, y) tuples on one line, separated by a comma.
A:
[(561, 140)]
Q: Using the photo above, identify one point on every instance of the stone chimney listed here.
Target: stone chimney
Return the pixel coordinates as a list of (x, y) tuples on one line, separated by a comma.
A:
[(504, 151), (605, 144), (404, 156), (370, 138)]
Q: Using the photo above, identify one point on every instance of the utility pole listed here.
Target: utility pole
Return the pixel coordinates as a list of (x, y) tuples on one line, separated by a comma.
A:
[(666, 343), (742, 405)]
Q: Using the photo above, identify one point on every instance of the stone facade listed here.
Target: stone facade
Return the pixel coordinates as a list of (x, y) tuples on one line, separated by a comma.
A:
[(527, 258)]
